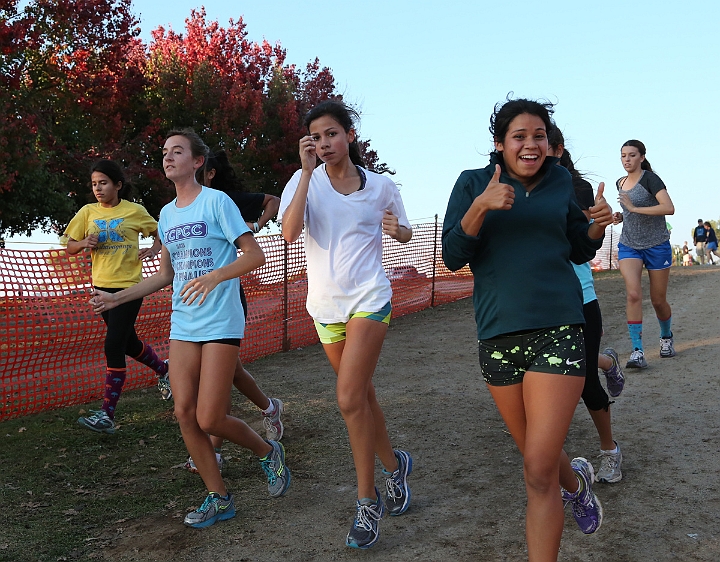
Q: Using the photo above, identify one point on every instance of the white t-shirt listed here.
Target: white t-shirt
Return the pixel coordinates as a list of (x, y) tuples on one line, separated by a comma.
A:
[(200, 238), (343, 244)]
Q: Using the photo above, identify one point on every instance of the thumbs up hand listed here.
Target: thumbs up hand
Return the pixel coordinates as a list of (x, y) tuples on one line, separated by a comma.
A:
[(497, 196), (600, 212)]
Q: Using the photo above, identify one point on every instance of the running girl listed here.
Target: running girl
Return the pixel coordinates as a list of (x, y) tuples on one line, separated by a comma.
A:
[(201, 230), (110, 228), (644, 240), (530, 326), (256, 210), (345, 209), (594, 396)]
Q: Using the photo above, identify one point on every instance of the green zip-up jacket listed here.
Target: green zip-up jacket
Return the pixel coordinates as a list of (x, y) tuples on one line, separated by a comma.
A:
[(521, 258)]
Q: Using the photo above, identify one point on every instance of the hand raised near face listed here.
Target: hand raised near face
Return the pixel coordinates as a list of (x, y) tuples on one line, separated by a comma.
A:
[(308, 156)]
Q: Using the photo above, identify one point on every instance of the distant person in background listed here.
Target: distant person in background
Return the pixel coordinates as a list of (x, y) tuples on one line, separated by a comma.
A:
[(111, 228), (687, 259), (256, 210), (699, 239), (644, 240), (711, 243), (594, 396)]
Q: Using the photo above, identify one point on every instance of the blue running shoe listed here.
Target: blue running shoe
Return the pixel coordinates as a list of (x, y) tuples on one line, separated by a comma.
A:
[(214, 508), (98, 421), (586, 506), (365, 532), (278, 475), (614, 375), (397, 497)]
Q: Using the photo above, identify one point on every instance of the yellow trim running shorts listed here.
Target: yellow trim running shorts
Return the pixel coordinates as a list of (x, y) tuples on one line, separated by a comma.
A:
[(337, 331)]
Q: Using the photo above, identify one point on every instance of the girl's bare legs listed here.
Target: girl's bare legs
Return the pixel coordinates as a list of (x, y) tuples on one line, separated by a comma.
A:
[(658, 292), (603, 425), (354, 360), (538, 413), (631, 270), (246, 385), (201, 378)]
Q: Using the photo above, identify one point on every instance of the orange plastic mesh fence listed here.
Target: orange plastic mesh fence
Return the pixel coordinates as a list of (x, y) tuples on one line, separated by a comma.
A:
[(51, 343)]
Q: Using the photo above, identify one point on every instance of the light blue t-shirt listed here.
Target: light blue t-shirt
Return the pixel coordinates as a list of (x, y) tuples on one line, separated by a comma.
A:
[(199, 239), (584, 274)]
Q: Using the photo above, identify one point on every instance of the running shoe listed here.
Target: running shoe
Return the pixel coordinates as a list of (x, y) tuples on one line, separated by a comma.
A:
[(98, 421), (190, 464), (637, 360), (273, 425), (614, 375), (397, 497), (667, 347), (567, 497), (610, 464), (164, 385), (586, 506), (278, 475), (365, 531), (214, 508)]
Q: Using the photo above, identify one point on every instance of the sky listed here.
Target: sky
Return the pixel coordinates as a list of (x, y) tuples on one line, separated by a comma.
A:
[(426, 76)]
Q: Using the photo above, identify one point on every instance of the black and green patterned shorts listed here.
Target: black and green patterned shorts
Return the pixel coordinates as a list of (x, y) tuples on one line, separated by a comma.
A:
[(559, 351)]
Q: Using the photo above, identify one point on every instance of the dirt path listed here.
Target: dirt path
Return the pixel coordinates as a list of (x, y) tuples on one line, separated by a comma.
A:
[(468, 493)]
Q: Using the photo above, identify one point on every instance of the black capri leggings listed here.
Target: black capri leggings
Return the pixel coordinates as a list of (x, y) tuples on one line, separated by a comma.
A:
[(593, 394), (121, 339)]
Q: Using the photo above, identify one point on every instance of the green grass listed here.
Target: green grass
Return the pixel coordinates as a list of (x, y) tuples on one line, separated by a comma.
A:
[(59, 481), (62, 485)]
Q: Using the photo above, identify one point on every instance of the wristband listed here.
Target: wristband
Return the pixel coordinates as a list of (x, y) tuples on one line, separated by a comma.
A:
[(256, 227)]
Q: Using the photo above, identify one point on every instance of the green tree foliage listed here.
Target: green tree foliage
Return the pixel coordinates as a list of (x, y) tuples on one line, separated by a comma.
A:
[(78, 84)]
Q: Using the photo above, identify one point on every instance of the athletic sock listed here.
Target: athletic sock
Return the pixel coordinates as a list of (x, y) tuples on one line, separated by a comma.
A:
[(635, 331), (114, 381), (611, 451), (270, 409), (665, 331), (149, 357)]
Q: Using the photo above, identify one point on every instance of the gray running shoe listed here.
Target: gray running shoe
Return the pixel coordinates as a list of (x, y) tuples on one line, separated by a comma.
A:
[(586, 506), (190, 464), (614, 375), (214, 508), (272, 422), (365, 531), (397, 497), (610, 464), (667, 347), (637, 360), (98, 421), (164, 385), (278, 475)]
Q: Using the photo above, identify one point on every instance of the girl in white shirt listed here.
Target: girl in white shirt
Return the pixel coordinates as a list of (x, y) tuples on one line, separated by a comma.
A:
[(345, 210)]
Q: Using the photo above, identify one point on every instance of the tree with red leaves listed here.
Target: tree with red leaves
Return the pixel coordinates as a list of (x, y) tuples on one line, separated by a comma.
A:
[(78, 84), (67, 80)]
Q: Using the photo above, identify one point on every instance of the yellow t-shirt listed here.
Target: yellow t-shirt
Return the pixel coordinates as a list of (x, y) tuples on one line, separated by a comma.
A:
[(115, 262)]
